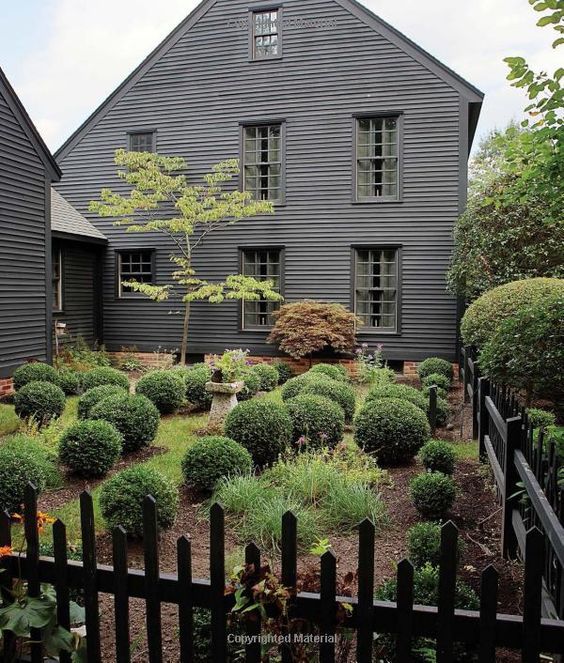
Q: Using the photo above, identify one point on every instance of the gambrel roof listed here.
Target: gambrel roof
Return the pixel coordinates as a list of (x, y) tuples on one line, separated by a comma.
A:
[(466, 89)]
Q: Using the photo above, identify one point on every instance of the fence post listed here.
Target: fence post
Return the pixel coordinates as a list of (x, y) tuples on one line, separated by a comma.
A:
[(433, 407), (466, 373), (483, 417), (509, 539), (475, 383)]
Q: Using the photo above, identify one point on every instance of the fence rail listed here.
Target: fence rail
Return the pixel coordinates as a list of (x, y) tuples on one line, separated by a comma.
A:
[(482, 630), (527, 473)]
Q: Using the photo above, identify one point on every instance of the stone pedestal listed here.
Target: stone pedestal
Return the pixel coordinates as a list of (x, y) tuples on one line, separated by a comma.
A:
[(224, 400)]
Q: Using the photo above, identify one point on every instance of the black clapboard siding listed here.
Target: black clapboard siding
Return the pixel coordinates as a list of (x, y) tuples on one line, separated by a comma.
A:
[(196, 94)]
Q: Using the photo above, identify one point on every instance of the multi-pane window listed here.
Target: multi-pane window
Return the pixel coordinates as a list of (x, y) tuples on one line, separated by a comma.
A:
[(57, 279), (377, 158), (376, 288), (142, 141), (262, 159), (266, 34), (263, 265), (134, 266)]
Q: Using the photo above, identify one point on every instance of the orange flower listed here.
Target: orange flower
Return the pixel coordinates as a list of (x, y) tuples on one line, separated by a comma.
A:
[(5, 551), (17, 518), (42, 520)]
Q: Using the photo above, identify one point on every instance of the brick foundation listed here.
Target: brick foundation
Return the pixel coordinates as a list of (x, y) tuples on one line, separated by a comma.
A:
[(6, 386), (148, 359)]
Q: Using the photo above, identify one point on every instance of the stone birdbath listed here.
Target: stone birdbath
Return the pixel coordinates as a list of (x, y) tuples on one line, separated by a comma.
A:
[(224, 399)]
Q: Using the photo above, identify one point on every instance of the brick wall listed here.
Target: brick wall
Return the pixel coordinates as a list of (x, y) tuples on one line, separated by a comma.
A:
[(6, 386), (148, 359)]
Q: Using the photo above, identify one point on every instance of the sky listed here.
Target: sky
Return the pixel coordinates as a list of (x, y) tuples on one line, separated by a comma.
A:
[(64, 57)]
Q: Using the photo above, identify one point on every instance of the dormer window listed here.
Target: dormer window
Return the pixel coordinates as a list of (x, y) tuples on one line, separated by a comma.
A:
[(266, 34)]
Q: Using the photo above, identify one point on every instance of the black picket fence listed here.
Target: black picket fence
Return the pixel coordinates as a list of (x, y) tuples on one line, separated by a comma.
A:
[(528, 474), (482, 630)]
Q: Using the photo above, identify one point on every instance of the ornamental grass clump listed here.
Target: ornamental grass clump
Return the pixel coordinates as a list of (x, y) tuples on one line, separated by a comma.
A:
[(165, 389), (33, 372), (40, 401), (433, 494), (264, 428), (267, 374), (213, 458), (135, 417), (122, 497), (90, 448), (393, 430), (435, 365), (316, 421), (93, 396), (438, 456), (339, 392), (104, 375)]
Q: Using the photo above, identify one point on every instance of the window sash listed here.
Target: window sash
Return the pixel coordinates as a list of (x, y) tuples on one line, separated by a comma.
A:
[(377, 158), (57, 279), (134, 266), (142, 141), (262, 162), (266, 35), (263, 265), (376, 288)]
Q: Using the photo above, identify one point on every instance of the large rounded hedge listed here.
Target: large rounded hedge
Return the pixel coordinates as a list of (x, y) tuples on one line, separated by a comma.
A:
[(333, 371), (268, 376), (165, 389), (69, 380), (400, 392), (435, 365), (486, 314), (317, 420), (294, 386), (93, 396), (33, 372), (210, 459), (340, 392), (264, 428), (41, 401), (17, 469), (195, 379), (393, 430), (251, 386), (104, 375), (90, 448), (135, 417), (122, 497)]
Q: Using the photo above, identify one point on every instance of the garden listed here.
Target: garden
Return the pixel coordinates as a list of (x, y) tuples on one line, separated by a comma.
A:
[(334, 446)]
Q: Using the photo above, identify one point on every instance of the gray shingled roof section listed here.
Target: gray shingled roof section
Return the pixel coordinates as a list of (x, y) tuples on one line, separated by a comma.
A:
[(65, 219)]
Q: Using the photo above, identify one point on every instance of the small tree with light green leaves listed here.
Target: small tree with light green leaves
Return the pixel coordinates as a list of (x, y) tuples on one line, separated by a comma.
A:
[(161, 200)]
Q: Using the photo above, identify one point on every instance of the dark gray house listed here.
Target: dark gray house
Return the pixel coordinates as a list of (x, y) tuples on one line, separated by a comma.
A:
[(49, 253), (358, 136)]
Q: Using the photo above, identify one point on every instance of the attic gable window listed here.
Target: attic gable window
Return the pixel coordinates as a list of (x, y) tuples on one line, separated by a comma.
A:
[(266, 36), (141, 141)]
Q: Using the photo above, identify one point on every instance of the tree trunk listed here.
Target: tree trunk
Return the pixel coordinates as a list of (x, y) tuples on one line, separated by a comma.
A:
[(184, 347)]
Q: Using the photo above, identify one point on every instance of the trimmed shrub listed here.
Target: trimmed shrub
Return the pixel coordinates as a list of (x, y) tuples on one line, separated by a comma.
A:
[(285, 371), (97, 377), (69, 380), (212, 458), (393, 430), (41, 453), (165, 389), (262, 427), (294, 386), (135, 417), (437, 380), (435, 365), (438, 456), (251, 388), (195, 379), (340, 392), (433, 494), (33, 372), (401, 392), (333, 371), (441, 393), (90, 448), (318, 420), (268, 376), (122, 496), (443, 411), (424, 544), (93, 396), (485, 315), (541, 419), (41, 401), (17, 468), (526, 351)]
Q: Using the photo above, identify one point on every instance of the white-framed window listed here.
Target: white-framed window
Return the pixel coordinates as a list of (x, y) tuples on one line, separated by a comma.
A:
[(263, 264), (134, 266), (266, 34), (57, 278), (376, 290)]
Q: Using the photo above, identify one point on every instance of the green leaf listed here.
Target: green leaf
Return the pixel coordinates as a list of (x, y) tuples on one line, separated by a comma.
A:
[(58, 639), (77, 613)]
